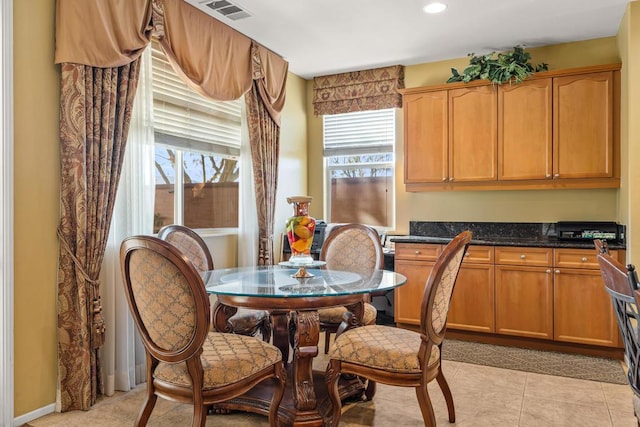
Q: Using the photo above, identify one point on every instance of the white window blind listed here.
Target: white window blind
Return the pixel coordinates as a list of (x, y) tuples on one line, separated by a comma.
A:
[(364, 132), (187, 120)]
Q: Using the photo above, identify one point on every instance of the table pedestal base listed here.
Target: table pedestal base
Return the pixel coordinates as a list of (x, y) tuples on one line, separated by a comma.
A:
[(257, 400)]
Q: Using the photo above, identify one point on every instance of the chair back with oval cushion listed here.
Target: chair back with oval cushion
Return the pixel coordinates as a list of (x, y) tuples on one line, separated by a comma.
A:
[(244, 321), (402, 357), (355, 248), (185, 361), (622, 285)]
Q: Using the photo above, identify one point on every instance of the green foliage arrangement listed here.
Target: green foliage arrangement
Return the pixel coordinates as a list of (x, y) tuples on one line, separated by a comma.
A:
[(512, 67)]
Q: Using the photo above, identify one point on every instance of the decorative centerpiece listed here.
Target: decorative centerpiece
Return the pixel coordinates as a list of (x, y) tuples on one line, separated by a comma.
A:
[(300, 231)]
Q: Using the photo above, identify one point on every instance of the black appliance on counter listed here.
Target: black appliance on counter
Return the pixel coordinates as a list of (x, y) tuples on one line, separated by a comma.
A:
[(586, 231)]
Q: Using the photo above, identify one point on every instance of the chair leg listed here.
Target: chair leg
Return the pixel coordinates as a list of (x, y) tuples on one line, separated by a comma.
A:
[(278, 393), (149, 403), (446, 391), (327, 341), (370, 391), (199, 415), (428, 416), (332, 376)]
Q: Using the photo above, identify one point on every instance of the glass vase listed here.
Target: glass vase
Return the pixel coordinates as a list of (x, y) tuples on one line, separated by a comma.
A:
[(300, 230)]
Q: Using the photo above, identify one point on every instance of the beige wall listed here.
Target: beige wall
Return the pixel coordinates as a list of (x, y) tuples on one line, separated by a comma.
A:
[(36, 175), (507, 206), (629, 45)]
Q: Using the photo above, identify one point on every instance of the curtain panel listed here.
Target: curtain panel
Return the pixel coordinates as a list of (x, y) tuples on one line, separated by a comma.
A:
[(95, 111), (365, 90)]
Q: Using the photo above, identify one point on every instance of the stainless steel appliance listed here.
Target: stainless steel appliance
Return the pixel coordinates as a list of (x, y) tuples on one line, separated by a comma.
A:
[(585, 231)]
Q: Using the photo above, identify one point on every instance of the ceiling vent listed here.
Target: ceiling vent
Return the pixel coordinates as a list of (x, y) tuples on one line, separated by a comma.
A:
[(228, 9)]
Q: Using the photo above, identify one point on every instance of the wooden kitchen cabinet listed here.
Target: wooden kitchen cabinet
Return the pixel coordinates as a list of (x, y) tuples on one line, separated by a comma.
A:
[(415, 262), (426, 124), (583, 133), (524, 292), (583, 312), (473, 140), (525, 133), (473, 300), (556, 130)]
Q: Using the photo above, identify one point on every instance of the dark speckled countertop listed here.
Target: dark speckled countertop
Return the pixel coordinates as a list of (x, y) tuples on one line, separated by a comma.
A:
[(540, 235)]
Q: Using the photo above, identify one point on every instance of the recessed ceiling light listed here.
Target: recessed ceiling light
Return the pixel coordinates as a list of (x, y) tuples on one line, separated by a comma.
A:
[(435, 7)]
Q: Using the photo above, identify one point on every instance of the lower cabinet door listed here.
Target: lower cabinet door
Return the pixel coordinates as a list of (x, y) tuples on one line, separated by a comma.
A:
[(408, 297), (473, 303), (524, 301), (583, 312)]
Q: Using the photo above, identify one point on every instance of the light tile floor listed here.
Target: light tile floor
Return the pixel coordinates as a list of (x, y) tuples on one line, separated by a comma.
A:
[(483, 396)]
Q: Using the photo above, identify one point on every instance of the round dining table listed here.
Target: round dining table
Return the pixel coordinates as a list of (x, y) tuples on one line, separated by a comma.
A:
[(293, 302)]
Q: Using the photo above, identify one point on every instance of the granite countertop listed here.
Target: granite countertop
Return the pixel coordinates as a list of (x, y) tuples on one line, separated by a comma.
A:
[(539, 235), (506, 241)]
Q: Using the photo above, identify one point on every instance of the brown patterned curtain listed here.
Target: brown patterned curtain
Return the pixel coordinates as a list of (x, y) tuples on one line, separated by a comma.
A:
[(374, 89), (95, 111), (264, 135)]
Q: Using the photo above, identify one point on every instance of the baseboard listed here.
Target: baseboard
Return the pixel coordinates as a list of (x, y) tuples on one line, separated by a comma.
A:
[(40, 412)]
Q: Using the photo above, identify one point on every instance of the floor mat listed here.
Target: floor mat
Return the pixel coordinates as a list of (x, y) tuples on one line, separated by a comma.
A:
[(541, 362)]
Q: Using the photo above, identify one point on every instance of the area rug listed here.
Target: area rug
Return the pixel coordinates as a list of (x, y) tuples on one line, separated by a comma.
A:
[(541, 362)]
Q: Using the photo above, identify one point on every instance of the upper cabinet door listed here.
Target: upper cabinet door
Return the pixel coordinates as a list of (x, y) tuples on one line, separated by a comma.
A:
[(525, 130), (426, 137), (583, 125), (473, 123)]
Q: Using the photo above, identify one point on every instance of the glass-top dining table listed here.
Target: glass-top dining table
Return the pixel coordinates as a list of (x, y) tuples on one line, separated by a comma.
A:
[(294, 303)]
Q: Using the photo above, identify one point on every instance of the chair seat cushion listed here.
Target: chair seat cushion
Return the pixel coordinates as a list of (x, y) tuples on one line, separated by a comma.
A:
[(226, 359), (334, 314), (382, 347)]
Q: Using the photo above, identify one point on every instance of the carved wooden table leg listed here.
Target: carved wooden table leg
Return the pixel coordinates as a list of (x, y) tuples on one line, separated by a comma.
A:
[(220, 317), (305, 348), (280, 324)]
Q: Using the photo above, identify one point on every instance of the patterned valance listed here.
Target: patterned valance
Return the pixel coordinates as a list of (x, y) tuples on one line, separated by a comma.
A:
[(374, 89)]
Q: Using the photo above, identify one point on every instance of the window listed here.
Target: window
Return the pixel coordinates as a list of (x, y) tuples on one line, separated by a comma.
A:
[(197, 144), (359, 166)]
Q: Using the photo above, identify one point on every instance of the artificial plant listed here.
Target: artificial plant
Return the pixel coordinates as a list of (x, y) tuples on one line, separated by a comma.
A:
[(512, 67)]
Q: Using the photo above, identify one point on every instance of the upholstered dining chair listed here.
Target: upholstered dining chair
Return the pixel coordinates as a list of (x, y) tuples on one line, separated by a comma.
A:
[(355, 248), (245, 321), (401, 357), (185, 361), (622, 285)]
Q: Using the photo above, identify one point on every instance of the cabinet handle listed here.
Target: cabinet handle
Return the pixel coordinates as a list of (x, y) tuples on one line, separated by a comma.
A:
[(417, 252), (451, 179), (557, 271), (548, 271), (444, 179), (466, 254), (548, 175), (523, 256), (556, 175), (584, 259)]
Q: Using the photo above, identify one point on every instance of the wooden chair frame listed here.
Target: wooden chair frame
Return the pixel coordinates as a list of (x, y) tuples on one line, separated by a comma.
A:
[(429, 338), (331, 328), (191, 352)]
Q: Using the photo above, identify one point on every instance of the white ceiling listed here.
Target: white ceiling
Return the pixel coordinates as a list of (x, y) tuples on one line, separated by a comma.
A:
[(332, 36)]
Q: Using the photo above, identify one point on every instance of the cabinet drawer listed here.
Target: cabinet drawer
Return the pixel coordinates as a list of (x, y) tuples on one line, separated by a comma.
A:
[(577, 258), (508, 255), (417, 251), (479, 255)]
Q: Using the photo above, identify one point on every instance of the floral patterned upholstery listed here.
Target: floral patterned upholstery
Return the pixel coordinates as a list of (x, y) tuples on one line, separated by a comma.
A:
[(164, 301), (443, 292), (383, 347), (226, 359)]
